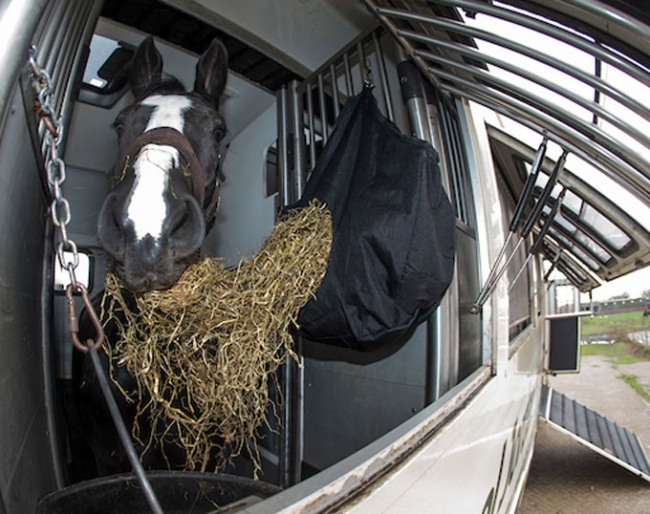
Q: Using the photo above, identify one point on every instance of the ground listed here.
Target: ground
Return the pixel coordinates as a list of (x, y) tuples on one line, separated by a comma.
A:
[(566, 477)]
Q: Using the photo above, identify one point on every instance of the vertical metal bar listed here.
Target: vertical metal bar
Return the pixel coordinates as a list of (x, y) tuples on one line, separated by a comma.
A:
[(284, 462), (383, 77), (18, 23), (58, 36), (335, 90), (363, 69), (442, 330), (312, 131), (349, 85), (291, 135), (413, 97), (297, 131), (298, 371), (283, 158), (323, 110)]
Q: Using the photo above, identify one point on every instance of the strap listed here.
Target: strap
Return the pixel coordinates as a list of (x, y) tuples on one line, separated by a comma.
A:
[(172, 137)]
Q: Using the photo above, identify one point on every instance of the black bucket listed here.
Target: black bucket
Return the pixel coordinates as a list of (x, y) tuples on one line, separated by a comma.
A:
[(179, 492)]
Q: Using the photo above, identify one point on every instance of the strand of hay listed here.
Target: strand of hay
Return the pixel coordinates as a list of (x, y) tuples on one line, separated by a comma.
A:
[(202, 352)]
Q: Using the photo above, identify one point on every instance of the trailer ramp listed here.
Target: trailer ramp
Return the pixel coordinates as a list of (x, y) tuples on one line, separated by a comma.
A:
[(595, 431)]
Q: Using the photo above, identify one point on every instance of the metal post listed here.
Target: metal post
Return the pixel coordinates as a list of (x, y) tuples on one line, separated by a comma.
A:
[(291, 164), (442, 333)]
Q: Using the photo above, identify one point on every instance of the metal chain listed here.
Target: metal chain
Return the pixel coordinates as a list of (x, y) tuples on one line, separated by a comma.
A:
[(60, 207), (60, 212)]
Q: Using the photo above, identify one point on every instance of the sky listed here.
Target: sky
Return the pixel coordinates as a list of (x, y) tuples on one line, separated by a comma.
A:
[(634, 284)]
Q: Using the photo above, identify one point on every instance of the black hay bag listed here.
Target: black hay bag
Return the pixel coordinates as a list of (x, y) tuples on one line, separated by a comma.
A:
[(392, 255)]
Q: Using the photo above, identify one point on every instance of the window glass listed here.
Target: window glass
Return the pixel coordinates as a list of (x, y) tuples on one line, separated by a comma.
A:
[(606, 228), (107, 65)]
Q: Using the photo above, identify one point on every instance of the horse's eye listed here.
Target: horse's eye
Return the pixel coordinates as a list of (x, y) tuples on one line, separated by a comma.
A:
[(119, 128), (219, 133)]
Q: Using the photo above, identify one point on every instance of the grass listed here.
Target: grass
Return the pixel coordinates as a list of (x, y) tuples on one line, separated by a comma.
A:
[(632, 381), (621, 353), (614, 324), (617, 353)]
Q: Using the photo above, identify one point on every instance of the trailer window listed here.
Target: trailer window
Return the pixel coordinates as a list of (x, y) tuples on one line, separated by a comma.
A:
[(517, 276)]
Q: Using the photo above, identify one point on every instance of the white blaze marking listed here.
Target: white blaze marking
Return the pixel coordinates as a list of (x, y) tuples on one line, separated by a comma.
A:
[(146, 206)]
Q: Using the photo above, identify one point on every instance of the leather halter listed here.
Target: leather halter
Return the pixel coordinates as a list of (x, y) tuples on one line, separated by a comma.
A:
[(169, 136)]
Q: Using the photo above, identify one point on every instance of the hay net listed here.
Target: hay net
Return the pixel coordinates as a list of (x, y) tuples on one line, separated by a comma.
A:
[(204, 352)]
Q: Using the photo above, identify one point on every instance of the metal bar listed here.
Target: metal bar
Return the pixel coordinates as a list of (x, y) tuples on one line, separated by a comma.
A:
[(55, 41), (283, 159), (18, 23), (413, 97), (335, 90), (615, 59), (298, 132), (349, 85), (291, 129), (65, 75), (540, 237), (554, 263), (598, 72), (613, 15), (296, 408), (595, 82), (350, 48), (496, 275), (636, 181), (392, 28), (383, 77), (123, 433), (530, 223), (593, 107), (528, 186), (624, 174), (546, 193), (323, 111), (312, 131), (495, 271), (593, 132), (363, 65), (442, 336)]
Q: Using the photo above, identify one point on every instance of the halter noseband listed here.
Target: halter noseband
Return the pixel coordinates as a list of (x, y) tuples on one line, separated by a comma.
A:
[(171, 137)]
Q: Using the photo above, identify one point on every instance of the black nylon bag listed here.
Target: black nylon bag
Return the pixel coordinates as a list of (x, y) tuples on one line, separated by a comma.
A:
[(392, 255)]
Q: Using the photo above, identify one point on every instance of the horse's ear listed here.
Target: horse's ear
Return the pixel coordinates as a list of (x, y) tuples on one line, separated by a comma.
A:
[(212, 72), (146, 68)]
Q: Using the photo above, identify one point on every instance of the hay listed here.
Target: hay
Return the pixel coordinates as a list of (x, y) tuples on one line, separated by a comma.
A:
[(203, 352)]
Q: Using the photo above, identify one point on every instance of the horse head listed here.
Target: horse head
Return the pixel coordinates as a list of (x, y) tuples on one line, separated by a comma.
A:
[(166, 195)]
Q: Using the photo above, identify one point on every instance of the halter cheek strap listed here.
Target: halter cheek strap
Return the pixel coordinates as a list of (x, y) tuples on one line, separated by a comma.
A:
[(172, 137)]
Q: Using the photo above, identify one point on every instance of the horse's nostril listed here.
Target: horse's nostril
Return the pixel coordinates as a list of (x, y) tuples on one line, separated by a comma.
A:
[(186, 229)]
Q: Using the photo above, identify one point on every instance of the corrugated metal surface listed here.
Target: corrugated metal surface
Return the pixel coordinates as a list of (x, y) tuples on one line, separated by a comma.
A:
[(595, 431)]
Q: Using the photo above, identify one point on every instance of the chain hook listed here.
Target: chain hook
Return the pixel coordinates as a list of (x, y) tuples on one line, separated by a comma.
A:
[(73, 322)]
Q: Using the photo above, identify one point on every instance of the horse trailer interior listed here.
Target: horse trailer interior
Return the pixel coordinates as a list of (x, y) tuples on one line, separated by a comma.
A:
[(539, 114)]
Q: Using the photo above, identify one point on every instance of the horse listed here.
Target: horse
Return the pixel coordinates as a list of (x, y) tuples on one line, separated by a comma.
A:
[(152, 223), (156, 217)]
